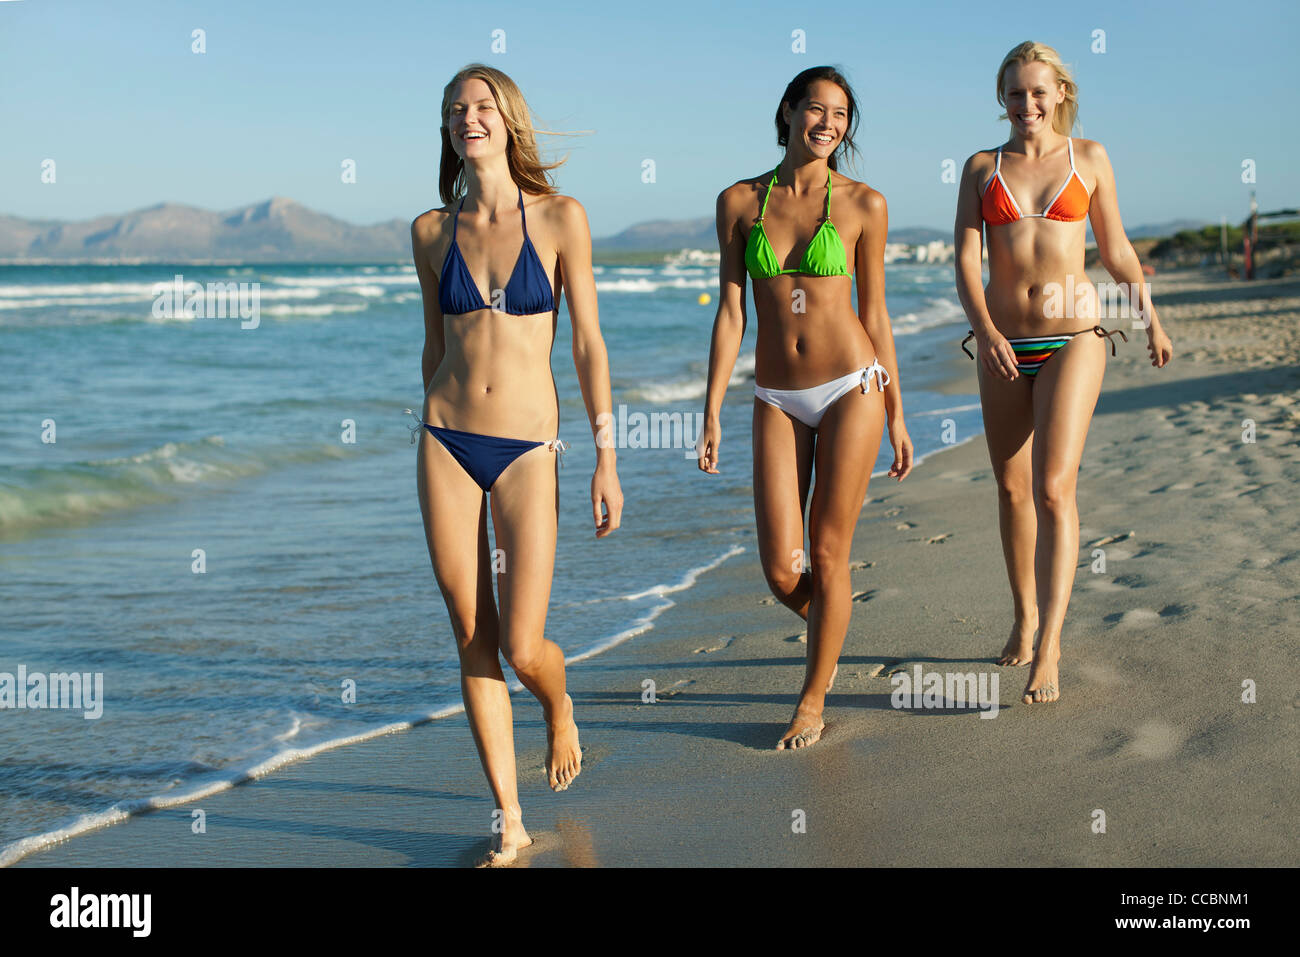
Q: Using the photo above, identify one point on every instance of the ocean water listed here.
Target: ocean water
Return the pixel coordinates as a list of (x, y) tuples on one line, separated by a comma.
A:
[(173, 435)]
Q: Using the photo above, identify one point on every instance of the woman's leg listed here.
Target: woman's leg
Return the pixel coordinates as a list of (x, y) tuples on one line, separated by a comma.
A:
[(525, 512), (1008, 409), (783, 454), (455, 528), (848, 439), (1065, 394)]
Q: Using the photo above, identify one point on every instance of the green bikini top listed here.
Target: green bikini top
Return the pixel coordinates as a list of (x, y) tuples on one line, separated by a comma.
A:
[(824, 256)]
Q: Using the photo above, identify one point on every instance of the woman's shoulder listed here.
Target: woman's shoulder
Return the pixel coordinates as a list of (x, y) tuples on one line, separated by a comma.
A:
[(862, 196), (430, 222), (553, 204), (1088, 150), (558, 211), (743, 191), (983, 161)]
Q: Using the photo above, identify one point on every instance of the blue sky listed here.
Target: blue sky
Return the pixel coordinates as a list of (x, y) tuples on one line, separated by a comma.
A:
[(286, 91)]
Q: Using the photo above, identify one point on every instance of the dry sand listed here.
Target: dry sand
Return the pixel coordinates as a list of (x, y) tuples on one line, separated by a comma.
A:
[(1198, 596)]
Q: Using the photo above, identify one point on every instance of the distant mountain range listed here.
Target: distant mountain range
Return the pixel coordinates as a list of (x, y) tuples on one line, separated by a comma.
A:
[(275, 230), (282, 230), (665, 234)]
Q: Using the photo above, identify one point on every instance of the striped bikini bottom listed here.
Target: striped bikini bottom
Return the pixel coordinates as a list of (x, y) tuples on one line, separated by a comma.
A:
[(1033, 351)]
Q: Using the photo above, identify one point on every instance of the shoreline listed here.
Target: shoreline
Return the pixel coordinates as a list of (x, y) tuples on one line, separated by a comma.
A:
[(1149, 730)]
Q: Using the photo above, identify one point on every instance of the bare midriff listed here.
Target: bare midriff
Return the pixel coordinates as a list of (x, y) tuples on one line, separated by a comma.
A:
[(1037, 285), (495, 376), (802, 349)]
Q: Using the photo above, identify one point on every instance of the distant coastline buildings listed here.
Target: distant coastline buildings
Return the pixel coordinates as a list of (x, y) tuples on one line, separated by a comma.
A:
[(936, 251)]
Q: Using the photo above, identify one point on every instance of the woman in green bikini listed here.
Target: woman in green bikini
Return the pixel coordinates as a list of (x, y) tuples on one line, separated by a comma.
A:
[(826, 376)]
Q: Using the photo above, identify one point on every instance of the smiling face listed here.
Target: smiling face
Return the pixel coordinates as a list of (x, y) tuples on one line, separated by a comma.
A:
[(474, 121), (820, 120), (1031, 92)]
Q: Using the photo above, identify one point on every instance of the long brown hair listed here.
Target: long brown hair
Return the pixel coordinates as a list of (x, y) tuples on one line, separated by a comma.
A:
[(526, 166), (797, 90)]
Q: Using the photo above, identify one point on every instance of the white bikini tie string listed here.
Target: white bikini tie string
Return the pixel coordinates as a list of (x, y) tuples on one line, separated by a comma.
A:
[(879, 371), (415, 429), (559, 447)]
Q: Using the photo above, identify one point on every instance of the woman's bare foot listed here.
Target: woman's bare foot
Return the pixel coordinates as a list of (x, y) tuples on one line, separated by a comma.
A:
[(509, 842), (563, 753), (1019, 649), (1043, 686), (805, 728)]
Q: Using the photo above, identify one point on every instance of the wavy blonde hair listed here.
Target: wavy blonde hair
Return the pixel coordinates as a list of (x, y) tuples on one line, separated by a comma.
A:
[(526, 166), (1067, 111)]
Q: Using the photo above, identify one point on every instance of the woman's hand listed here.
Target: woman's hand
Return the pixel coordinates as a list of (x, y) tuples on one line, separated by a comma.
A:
[(707, 446), (606, 491), (1159, 346), (997, 355), (902, 444)]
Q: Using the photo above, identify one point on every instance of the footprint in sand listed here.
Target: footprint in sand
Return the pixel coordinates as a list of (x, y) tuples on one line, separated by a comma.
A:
[(890, 668), (858, 566), (939, 539), (867, 595), (1149, 549), (1133, 618), (1155, 739), (1248, 490), (1099, 673), (904, 526), (769, 600), (718, 647), (1098, 583), (802, 638), (1150, 739), (671, 691), (1132, 580)]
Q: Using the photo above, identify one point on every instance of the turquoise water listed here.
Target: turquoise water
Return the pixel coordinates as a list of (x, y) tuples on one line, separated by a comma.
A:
[(174, 435)]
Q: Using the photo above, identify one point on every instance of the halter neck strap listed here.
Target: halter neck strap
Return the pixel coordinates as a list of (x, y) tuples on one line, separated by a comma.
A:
[(763, 212)]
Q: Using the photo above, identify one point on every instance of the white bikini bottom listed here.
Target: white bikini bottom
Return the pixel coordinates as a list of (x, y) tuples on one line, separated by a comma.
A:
[(809, 405)]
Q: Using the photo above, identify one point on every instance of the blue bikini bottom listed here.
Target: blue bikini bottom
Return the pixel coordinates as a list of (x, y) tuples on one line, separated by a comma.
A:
[(483, 457)]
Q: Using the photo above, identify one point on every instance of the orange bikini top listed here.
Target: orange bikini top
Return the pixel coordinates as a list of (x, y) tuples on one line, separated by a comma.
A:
[(999, 207)]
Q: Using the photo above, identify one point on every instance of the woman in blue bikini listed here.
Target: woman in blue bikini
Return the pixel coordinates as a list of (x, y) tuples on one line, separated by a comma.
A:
[(829, 379), (491, 415)]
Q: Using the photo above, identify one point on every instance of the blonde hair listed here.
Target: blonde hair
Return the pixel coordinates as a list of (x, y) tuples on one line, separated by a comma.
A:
[(526, 166), (1067, 111)]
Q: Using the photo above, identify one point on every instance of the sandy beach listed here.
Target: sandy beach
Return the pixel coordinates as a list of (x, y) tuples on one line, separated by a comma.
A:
[(1196, 607)]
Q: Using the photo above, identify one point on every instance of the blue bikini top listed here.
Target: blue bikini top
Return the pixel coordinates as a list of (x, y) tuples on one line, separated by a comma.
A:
[(528, 292)]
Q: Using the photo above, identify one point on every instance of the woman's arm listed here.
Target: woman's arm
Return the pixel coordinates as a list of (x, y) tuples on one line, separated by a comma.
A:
[(590, 358), (1117, 254), (434, 344), (968, 245), (870, 267), (728, 325)]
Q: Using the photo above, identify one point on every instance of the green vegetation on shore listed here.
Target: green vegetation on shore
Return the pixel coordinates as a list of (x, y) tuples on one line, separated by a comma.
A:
[(1207, 240)]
